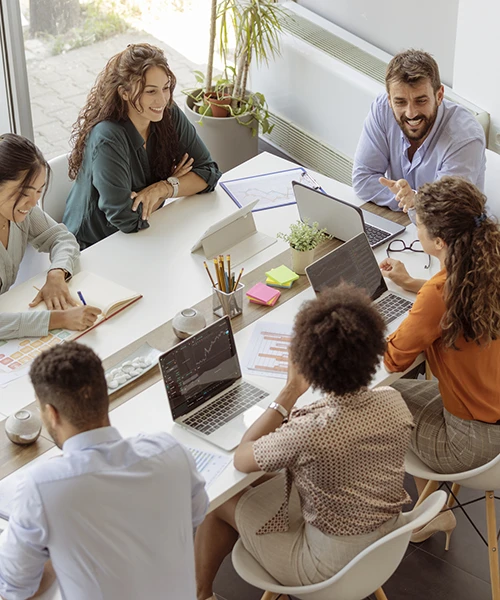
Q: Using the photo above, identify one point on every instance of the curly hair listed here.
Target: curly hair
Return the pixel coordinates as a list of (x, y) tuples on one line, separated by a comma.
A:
[(70, 377), (411, 67), (21, 159), (338, 340), (453, 209), (126, 71)]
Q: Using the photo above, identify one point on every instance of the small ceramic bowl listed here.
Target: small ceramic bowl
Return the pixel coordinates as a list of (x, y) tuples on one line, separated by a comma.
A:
[(23, 427), (187, 322)]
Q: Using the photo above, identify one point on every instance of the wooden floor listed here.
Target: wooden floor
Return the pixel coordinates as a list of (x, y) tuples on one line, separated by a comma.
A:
[(427, 572)]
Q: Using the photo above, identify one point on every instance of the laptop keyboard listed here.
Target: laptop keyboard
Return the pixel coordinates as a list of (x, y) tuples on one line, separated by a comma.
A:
[(226, 407), (375, 235), (391, 307)]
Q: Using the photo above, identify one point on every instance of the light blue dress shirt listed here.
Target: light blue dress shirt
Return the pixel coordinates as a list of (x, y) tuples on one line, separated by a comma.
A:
[(454, 146), (116, 516)]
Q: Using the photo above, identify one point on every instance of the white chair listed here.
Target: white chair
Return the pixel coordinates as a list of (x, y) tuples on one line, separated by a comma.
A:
[(59, 188), (364, 575), (485, 479), (492, 182)]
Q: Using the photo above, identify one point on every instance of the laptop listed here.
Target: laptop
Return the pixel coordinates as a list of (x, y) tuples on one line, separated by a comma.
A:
[(205, 389), (354, 262), (341, 219)]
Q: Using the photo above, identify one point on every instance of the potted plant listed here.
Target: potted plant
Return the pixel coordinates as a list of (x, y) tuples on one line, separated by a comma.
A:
[(303, 239), (232, 137)]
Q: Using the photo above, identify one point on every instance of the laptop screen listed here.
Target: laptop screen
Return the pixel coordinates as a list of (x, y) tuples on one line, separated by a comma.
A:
[(353, 262), (199, 368)]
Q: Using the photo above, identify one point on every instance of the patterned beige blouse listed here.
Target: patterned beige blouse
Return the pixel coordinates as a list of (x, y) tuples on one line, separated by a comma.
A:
[(345, 455)]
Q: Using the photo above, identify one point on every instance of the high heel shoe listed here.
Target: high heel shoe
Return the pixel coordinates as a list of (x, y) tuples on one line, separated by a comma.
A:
[(445, 521)]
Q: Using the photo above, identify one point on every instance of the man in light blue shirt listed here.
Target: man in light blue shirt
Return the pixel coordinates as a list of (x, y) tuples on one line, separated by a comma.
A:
[(413, 136), (115, 516)]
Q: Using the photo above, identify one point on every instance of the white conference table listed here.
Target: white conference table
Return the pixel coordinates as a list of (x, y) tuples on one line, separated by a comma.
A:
[(158, 263)]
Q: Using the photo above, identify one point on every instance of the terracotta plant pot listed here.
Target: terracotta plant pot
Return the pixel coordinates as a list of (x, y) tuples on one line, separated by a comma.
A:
[(218, 105), (230, 143)]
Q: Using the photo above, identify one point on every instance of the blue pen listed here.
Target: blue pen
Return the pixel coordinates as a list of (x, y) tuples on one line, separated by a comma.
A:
[(80, 295)]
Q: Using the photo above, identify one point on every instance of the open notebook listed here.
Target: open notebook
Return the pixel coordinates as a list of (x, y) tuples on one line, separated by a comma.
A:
[(110, 297)]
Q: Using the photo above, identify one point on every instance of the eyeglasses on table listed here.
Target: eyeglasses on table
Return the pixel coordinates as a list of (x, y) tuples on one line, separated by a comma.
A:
[(415, 246)]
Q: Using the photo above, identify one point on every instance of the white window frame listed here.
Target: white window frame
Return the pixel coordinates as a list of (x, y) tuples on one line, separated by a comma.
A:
[(15, 104)]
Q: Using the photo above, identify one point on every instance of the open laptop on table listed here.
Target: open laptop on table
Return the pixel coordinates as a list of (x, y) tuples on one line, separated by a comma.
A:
[(205, 389), (341, 219), (354, 262)]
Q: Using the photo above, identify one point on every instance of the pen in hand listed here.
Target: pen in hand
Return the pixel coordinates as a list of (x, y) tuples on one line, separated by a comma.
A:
[(80, 295)]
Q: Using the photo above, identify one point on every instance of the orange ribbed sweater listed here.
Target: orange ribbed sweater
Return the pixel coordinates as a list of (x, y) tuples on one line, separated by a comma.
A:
[(469, 378)]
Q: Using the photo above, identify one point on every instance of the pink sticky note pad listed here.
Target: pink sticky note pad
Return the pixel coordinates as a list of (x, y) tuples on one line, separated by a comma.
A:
[(263, 293)]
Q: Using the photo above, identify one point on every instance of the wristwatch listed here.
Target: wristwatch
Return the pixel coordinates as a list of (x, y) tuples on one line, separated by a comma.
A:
[(174, 182), (281, 409)]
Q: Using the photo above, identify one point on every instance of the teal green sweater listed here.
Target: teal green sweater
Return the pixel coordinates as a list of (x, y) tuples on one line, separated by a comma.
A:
[(115, 163)]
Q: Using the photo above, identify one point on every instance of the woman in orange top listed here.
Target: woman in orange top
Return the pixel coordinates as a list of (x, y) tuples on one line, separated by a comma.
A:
[(456, 321)]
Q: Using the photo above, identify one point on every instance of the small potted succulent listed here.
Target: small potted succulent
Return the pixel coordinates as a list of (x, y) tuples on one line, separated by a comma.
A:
[(303, 239)]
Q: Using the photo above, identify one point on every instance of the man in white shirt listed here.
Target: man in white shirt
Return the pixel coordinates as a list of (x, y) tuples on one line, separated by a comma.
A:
[(115, 516)]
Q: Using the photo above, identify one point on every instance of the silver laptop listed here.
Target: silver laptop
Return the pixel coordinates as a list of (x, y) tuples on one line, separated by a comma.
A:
[(341, 219), (354, 262), (205, 389)]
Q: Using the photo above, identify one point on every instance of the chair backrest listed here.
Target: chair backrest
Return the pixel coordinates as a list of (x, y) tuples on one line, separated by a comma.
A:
[(492, 182), (60, 186), (364, 574)]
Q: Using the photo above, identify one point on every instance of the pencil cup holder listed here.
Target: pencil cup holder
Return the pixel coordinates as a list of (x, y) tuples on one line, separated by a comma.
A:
[(230, 304)]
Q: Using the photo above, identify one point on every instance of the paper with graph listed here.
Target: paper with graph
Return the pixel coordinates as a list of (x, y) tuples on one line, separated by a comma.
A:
[(209, 465), (267, 351), (270, 189)]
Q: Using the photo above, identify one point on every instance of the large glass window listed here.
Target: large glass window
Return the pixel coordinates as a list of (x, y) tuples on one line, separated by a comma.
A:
[(67, 43)]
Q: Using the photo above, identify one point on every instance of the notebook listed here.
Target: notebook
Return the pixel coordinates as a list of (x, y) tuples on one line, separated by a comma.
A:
[(110, 297), (355, 263), (205, 389)]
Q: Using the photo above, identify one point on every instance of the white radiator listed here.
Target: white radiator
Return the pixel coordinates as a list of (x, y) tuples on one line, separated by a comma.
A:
[(320, 90)]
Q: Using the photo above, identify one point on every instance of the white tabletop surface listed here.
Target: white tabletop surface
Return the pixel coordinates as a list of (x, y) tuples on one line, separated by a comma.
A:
[(157, 263)]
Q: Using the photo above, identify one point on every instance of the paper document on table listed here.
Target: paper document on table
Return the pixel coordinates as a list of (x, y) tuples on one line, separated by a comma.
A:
[(267, 351), (16, 355), (270, 189), (209, 465)]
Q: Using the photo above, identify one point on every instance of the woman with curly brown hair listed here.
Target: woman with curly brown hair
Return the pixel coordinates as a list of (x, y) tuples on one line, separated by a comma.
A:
[(133, 149), (342, 457), (456, 321)]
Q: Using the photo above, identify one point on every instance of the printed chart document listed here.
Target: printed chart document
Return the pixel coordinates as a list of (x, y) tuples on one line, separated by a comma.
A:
[(267, 351), (270, 189), (17, 354), (209, 465)]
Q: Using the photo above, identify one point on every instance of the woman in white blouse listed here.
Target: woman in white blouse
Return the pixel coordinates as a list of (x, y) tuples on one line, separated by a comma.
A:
[(24, 175), (341, 458)]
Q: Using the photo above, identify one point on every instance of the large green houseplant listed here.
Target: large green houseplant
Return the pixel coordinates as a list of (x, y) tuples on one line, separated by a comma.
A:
[(232, 136)]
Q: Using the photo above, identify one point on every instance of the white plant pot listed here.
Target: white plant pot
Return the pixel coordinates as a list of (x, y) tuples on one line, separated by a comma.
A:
[(301, 260), (229, 142)]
